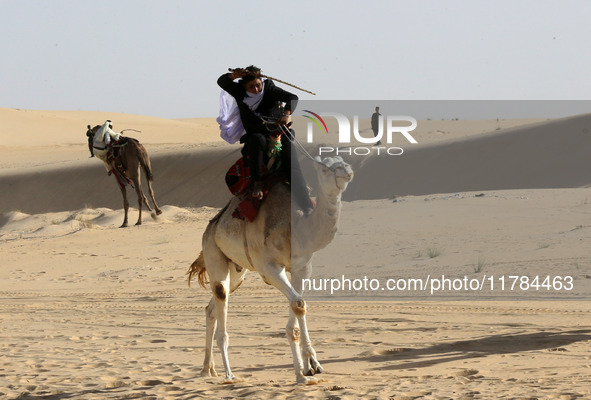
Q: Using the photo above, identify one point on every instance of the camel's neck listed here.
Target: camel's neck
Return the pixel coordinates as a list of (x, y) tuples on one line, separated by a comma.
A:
[(331, 205), (321, 226)]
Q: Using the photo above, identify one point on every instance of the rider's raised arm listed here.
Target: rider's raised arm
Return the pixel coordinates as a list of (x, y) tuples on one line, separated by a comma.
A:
[(227, 83)]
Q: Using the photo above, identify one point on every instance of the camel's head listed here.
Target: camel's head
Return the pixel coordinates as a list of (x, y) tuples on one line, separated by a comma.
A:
[(334, 174)]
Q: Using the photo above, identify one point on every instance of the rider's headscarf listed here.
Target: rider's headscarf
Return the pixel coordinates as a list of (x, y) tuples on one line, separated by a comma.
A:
[(253, 100), (102, 130)]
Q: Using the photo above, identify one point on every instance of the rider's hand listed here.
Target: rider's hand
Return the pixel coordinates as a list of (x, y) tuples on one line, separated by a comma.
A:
[(238, 73), (284, 119)]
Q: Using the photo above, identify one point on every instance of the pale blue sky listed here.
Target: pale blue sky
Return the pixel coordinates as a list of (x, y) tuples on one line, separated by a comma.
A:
[(162, 58)]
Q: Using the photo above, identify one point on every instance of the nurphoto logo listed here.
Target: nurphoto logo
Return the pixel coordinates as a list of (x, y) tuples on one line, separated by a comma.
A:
[(394, 125)]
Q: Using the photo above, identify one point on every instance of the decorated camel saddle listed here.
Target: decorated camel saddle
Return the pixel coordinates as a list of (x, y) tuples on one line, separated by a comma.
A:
[(239, 180), (114, 156), (239, 183), (118, 162)]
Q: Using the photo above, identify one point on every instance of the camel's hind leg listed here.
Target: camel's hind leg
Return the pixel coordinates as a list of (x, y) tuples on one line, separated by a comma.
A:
[(146, 165), (222, 274), (210, 325), (236, 278), (141, 198), (125, 205), (151, 191)]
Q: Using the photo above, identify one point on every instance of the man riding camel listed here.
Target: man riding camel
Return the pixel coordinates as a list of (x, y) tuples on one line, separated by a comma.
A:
[(257, 99), (101, 143)]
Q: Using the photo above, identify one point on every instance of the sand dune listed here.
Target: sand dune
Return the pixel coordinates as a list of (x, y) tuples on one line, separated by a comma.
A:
[(543, 155), (42, 128), (186, 178), (549, 154), (43, 140)]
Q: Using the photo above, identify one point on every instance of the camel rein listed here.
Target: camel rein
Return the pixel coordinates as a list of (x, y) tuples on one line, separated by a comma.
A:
[(299, 146)]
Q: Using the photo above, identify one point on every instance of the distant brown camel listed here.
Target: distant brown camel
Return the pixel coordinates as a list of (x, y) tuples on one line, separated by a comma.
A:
[(131, 155)]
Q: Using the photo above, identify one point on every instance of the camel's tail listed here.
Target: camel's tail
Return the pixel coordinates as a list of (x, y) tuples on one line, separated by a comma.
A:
[(145, 161), (198, 268)]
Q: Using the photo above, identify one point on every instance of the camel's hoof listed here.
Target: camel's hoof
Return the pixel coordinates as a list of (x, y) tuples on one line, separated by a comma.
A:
[(207, 372), (124, 225), (138, 223), (315, 368), (304, 380), (158, 211), (231, 379)]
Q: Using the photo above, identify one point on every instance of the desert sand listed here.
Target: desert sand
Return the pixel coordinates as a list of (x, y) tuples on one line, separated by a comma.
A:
[(92, 311)]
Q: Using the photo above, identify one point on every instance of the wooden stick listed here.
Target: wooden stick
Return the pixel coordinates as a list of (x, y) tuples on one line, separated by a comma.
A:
[(289, 84), (279, 80)]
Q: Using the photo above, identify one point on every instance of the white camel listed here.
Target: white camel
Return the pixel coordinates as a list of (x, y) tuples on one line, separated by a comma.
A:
[(273, 244)]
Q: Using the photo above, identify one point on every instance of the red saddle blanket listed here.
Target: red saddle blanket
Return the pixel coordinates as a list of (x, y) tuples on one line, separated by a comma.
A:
[(238, 180)]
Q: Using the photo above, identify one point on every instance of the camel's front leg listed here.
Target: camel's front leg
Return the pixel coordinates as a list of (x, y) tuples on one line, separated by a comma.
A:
[(275, 275), (311, 364), (300, 342)]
